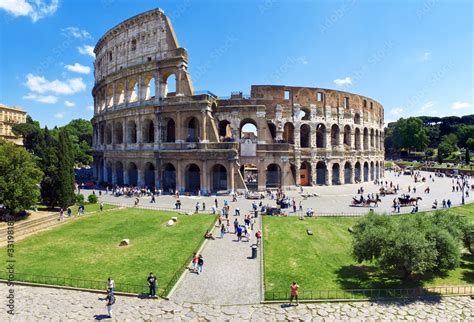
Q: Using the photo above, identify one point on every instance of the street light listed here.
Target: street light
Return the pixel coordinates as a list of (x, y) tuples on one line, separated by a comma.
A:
[(463, 187)]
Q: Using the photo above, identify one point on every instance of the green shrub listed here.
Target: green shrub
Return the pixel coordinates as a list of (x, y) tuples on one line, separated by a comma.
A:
[(92, 198), (79, 198)]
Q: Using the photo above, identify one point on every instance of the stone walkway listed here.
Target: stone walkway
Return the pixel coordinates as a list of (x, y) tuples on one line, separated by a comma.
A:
[(37, 303), (229, 276)]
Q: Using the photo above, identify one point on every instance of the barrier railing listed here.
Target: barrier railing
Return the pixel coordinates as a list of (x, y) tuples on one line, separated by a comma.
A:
[(366, 294)]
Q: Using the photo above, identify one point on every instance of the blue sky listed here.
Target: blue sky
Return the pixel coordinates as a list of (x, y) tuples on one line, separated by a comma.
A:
[(415, 57)]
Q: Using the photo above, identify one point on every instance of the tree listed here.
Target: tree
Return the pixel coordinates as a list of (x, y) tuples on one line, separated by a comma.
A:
[(19, 178), (66, 196), (467, 156), (470, 144), (410, 134), (48, 162), (80, 132), (464, 133), (447, 146)]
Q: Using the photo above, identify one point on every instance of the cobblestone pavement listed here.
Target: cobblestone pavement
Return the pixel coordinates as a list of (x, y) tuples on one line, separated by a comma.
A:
[(37, 303), (331, 199), (229, 276)]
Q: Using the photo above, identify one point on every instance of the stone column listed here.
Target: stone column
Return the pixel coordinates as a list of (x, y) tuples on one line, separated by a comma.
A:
[(140, 93), (141, 175), (178, 129), (297, 170), (114, 174), (204, 126), (231, 187), (157, 78), (180, 181), (328, 139), (262, 175), (114, 96), (138, 121), (125, 173), (313, 135), (328, 174), (126, 93), (204, 178)]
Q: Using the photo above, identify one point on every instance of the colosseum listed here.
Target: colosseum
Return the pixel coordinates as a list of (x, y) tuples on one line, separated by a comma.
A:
[(152, 129)]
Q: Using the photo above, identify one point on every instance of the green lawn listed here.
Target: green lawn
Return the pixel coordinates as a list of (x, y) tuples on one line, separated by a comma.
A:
[(323, 261), (87, 248)]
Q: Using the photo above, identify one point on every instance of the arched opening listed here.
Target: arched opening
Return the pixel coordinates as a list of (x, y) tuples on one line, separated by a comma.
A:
[(132, 174), (118, 128), (347, 172), (273, 176), (347, 136), (372, 171), (225, 131), (321, 136), (305, 174), (366, 171), (377, 170), (110, 95), (150, 87), (321, 173), (133, 90), (119, 173), (305, 136), (249, 130), (377, 145), (289, 133), (357, 172), (219, 178), (304, 114), (170, 89), (109, 172), (169, 178), (170, 131), (193, 178), (149, 175), (100, 173), (334, 136), (250, 174), (108, 134), (102, 133), (272, 129), (131, 132), (372, 138), (357, 118), (148, 134), (335, 174), (357, 139), (120, 92), (366, 139), (193, 130)]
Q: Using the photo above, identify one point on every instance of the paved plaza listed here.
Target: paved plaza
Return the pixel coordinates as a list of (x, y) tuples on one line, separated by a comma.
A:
[(38, 303), (330, 199)]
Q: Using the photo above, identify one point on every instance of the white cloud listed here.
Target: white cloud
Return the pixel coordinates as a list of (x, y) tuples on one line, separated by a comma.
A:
[(59, 115), (86, 50), (76, 33), (461, 105), (427, 107), (78, 68), (47, 99), (397, 111), (41, 85), (69, 103), (90, 107), (426, 55), (35, 9), (342, 82)]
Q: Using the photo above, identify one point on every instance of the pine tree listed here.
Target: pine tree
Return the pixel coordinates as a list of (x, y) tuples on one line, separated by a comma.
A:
[(48, 161), (467, 156), (66, 195)]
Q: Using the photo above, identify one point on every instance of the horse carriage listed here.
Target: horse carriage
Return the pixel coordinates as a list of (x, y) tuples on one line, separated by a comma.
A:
[(365, 202), (408, 201), (387, 191)]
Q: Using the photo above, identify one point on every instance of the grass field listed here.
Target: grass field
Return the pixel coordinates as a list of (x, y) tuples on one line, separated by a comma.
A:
[(87, 248), (323, 261)]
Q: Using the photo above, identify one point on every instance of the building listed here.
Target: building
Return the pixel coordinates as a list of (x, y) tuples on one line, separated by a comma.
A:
[(10, 116), (152, 129)]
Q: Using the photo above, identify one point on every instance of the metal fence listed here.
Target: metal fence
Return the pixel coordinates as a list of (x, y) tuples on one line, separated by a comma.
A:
[(368, 294)]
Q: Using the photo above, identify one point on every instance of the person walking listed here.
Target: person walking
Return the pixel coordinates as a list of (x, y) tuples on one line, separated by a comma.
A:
[(69, 211), (203, 206), (294, 292), (61, 214), (215, 202), (197, 207), (109, 301), (110, 285), (236, 225), (195, 262), (152, 285), (101, 206), (222, 231), (258, 235), (200, 264)]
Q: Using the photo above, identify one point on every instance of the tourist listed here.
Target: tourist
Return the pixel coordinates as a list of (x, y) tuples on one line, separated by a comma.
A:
[(215, 202), (444, 203), (195, 262), (152, 285), (258, 235), (203, 206), (236, 225), (301, 206), (239, 233), (294, 292), (200, 264), (110, 300), (101, 206), (213, 208), (448, 203), (237, 211), (197, 207), (222, 231), (152, 199), (110, 285), (61, 214), (208, 235), (69, 211)]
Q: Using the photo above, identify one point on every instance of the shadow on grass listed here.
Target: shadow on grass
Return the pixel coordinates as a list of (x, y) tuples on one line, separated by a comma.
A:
[(467, 262)]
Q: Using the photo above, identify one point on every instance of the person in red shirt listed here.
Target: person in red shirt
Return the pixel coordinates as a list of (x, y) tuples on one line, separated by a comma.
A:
[(294, 292)]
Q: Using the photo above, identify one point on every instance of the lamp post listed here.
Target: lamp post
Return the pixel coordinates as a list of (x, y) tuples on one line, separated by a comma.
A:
[(463, 187)]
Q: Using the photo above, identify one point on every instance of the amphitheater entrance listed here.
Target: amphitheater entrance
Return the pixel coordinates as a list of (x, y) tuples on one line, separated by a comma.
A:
[(219, 178), (170, 131), (305, 136), (372, 170), (366, 171), (132, 174), (193, 179), (335, 174), (321, 173), (321, 136), (273, 176), (109, 172), (119, 173), (149, 175), (357, 172), (347, 172), (168, 178), (250, 174), (305, 174)]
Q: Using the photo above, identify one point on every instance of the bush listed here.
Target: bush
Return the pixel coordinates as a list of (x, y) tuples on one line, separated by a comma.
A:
[(92, 198), (80, 198)]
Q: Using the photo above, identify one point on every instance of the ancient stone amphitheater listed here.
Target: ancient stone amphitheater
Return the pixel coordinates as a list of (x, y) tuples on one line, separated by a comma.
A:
[(152, 129)]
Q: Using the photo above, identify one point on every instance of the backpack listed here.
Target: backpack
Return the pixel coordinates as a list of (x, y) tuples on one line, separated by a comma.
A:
[(112, 299)]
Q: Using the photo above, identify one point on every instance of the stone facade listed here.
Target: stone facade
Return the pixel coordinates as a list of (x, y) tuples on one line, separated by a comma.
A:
[(10, 116), (151, 129)]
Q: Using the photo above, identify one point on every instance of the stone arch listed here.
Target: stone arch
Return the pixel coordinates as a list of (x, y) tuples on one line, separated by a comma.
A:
[(120, 92), (132, 90), (273, 177), (108, 133), (149, 84), (192, 130), (170, 131), (372, 171), (357, 118), (192, 178), (119, 173), (131, 132), (347, 172), (321, 173), (102, 133), (218, 178), (366, 138), (171, 85), (132, 170), (366, 171), (377, 170), (304, 114), (377, 141), (289, 133), (225, 130), (148, 131), (305, 173), (357, 139), (110, 96), (372, 138), (168, 178), (357, 172), (334, 135), (335, 174), (321, 136), (250, 174), (118, 135), (272, 128), (109, 172), (149, 174), (305, 136), (347, 136), (249, 129)]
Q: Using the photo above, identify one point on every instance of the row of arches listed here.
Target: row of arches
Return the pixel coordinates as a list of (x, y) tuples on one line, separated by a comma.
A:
[(118, 132)]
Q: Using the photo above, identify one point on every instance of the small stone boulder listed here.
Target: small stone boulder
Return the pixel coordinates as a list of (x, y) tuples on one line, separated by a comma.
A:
[(170, 222), (350, 230), (310, 232), (125, 242), (175, 219)]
